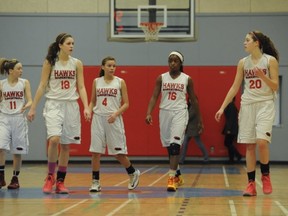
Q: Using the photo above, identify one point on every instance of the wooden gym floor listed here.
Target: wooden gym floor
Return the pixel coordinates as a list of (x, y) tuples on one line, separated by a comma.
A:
[(209, 189)]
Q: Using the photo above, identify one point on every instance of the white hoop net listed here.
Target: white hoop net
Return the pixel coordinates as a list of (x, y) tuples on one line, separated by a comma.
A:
[(151, 30)]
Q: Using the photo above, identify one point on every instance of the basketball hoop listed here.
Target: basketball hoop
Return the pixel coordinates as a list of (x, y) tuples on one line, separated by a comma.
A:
[(151, 30)]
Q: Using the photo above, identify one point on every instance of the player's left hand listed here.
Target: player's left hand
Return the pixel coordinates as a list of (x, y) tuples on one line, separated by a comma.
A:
[(258, 72)]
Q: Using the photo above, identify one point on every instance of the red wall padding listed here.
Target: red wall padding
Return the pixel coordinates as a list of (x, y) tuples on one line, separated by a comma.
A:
[(211, 83)]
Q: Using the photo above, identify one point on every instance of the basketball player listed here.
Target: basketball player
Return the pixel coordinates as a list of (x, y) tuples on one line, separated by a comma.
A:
[(15, 99), (62, 78), (109, 99), (173, 85), (259, 70)]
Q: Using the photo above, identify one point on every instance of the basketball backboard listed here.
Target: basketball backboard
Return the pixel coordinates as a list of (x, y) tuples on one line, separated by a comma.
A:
[(175, 16)]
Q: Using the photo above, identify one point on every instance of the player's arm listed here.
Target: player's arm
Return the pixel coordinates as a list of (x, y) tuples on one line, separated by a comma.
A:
[(28, 96), (45, 74), (93, 96), (125, 99), (153, 100), (233, 89), (82, 90)]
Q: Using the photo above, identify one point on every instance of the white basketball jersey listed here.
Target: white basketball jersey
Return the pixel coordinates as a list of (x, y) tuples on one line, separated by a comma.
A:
[(108, 96), (255, 89), (62, 82), (174, 92), (13, 97)]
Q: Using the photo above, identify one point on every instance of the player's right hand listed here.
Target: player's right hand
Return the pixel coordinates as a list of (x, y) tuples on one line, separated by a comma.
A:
[(148, 120), (218, 115)]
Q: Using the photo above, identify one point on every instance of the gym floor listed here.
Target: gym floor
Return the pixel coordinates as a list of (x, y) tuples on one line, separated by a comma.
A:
[(209, 189)]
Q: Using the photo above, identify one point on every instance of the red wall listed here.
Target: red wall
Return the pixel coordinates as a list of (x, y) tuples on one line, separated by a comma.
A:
[(211, 84)]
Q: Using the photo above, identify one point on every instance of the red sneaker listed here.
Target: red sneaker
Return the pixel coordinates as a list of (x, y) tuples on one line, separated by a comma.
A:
[(60, 188), (267, 186), (14, 183), (2, 180), (251, 189), (48, 186)]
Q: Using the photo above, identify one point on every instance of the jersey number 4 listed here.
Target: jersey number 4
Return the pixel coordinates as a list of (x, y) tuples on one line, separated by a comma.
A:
[(104, 102)]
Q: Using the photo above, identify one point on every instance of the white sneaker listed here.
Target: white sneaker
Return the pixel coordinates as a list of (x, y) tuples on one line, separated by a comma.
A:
[(95, 187), (134, 180)]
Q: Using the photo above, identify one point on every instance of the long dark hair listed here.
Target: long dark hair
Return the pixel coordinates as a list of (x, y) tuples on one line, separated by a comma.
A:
[(53, 49), (108, 58), (265, 44), (6, 65)]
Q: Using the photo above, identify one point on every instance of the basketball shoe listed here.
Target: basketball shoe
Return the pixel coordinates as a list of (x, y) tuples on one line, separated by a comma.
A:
[(179, 180), (60, 188), (48, 185), (14, 184), (95, 187), (171, 184), (250, 189), (134, 180), (267, 186)]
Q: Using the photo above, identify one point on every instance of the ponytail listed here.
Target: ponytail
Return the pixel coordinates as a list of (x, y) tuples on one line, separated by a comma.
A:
[(6, 65), (265, 44)]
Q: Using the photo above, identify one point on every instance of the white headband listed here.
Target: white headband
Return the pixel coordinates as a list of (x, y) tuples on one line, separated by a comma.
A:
[(177, 54)]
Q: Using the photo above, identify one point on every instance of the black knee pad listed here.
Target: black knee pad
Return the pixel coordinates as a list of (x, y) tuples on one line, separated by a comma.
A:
[(174, 149)]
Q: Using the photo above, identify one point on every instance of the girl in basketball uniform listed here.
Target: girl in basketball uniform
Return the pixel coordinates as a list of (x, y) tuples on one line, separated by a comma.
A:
[(109, 99), (259, 71), (63, 81), (174, 86), (15, 98)]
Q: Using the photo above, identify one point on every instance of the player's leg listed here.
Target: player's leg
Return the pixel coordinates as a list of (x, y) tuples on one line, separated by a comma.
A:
[(17, 162), (97, 148), (247, 135), (4, 146), (19, 146), (266, 116), (2, 168), (95, 187), (54, 117), (116, 142)]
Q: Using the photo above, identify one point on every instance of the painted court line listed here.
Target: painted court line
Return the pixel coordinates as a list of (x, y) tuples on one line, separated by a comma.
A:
[(67, 209), (157, 180), (154, 167), (232, 208), (120, 207), (225, 177), (284, 210)]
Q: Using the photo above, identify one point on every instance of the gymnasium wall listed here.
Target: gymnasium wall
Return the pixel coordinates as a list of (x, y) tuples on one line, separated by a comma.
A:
[(210, 60), (144, 140)]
